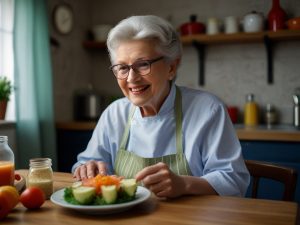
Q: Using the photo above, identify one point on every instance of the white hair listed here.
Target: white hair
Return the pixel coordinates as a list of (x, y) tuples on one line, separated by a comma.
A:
[(147, 27)]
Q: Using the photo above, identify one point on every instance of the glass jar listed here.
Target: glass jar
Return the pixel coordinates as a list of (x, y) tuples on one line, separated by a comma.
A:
[(270, 115), (41, 175), (7, 163)]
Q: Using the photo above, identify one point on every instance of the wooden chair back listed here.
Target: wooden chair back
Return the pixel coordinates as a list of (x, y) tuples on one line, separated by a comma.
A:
[(285, 175)]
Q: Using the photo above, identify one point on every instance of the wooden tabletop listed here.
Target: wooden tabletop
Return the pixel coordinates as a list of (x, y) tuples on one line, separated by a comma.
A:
[(185, 210)]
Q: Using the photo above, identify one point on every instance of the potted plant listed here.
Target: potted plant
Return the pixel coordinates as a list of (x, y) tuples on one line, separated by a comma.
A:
[(6, 89)]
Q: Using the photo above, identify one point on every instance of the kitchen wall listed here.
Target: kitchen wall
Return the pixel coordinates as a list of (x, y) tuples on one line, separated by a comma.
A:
[(231, 70)]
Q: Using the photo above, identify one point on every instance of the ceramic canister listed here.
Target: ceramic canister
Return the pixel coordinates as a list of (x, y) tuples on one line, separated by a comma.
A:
[(253, 22), (231, 25), (213, 26)]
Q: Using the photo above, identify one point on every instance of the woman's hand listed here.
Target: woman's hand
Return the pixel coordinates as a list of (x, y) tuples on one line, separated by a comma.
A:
[(90, 169), (162, 181)]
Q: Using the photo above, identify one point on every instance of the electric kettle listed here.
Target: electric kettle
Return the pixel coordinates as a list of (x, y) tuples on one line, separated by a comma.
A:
[(88, 104)]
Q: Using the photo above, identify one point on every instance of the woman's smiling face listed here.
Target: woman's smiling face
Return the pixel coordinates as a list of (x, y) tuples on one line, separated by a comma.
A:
[(147, 92)]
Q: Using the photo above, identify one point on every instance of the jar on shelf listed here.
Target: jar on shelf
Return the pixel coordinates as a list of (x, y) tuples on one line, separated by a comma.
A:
[(7, 163), (270, 115), (41, 175)]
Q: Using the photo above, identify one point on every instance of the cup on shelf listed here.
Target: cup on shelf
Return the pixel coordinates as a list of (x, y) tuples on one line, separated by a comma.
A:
[(231, 25), (101, 31), (213, 26)]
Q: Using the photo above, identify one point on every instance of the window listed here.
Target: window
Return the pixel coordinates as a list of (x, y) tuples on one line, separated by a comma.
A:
[(6, 49)]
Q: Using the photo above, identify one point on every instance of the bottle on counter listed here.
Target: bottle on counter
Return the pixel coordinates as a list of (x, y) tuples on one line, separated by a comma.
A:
[(7, 163), (296, 110), (41, 175), (270, 115), (251, 111)]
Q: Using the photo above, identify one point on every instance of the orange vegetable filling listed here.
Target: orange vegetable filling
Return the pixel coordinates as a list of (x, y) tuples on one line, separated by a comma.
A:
[(100, 180)]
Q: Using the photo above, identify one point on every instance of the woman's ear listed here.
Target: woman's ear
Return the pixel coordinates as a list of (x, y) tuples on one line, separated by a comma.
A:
[(173, 68)]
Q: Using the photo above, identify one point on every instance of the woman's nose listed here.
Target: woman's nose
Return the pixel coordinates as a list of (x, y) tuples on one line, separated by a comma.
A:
[(132, 76)]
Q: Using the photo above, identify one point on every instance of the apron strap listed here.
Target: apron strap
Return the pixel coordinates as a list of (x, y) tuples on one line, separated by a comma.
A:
[(178, 118), (127, 128)]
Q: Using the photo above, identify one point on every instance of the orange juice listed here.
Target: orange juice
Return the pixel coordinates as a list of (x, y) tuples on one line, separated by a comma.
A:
[(251, 111), (251, 114), (7, 173)]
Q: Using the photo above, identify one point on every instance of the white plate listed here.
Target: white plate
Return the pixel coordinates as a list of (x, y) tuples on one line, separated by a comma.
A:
[(142, 194)]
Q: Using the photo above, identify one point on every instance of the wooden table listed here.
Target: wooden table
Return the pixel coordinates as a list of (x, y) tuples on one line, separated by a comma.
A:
[(185, 210)]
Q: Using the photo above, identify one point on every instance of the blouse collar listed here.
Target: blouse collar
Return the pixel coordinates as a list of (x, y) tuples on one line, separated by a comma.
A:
[(166, 107)]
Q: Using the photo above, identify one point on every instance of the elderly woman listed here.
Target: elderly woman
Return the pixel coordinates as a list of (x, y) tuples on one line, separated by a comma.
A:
[(175, 140)]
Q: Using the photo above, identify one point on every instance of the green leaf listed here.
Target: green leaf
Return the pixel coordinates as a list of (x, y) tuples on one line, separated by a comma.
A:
[(6, 88), (69, 197)]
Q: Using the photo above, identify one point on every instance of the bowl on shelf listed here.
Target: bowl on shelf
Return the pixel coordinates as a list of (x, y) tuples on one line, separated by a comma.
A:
[(293, 24)]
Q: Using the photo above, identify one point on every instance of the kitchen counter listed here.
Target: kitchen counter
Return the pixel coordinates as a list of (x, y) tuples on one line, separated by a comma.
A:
[(265, 133), (258, 133)]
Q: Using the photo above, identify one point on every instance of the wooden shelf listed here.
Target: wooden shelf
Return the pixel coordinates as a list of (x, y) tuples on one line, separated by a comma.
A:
[(283, 35), (94, 45), (267, 37), (200, 40), (76, 125)]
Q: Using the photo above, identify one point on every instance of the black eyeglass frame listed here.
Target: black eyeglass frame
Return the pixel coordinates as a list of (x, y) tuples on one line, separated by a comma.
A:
[(150, 62)]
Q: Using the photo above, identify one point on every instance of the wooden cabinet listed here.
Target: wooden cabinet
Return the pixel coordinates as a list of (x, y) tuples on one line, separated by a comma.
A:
[(71, 138)]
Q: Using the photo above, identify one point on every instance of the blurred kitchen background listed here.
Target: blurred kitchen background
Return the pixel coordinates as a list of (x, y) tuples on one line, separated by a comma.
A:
[(231, 70)]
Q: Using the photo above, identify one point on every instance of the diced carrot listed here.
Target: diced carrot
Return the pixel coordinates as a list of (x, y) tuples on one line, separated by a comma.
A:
[(100, 180)]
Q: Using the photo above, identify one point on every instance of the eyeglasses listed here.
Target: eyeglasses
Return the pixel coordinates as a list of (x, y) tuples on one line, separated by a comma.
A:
[(141, 67)]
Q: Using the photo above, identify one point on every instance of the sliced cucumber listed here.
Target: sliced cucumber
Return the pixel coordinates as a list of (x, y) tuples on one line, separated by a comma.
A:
[(84, 195), (76, 184), (129, 186), (109, 193)]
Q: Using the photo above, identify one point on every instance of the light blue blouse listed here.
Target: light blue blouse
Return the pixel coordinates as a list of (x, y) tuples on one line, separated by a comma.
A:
[(209, 138)]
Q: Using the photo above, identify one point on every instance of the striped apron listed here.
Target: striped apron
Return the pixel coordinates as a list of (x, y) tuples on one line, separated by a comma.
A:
[(128, 164)]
